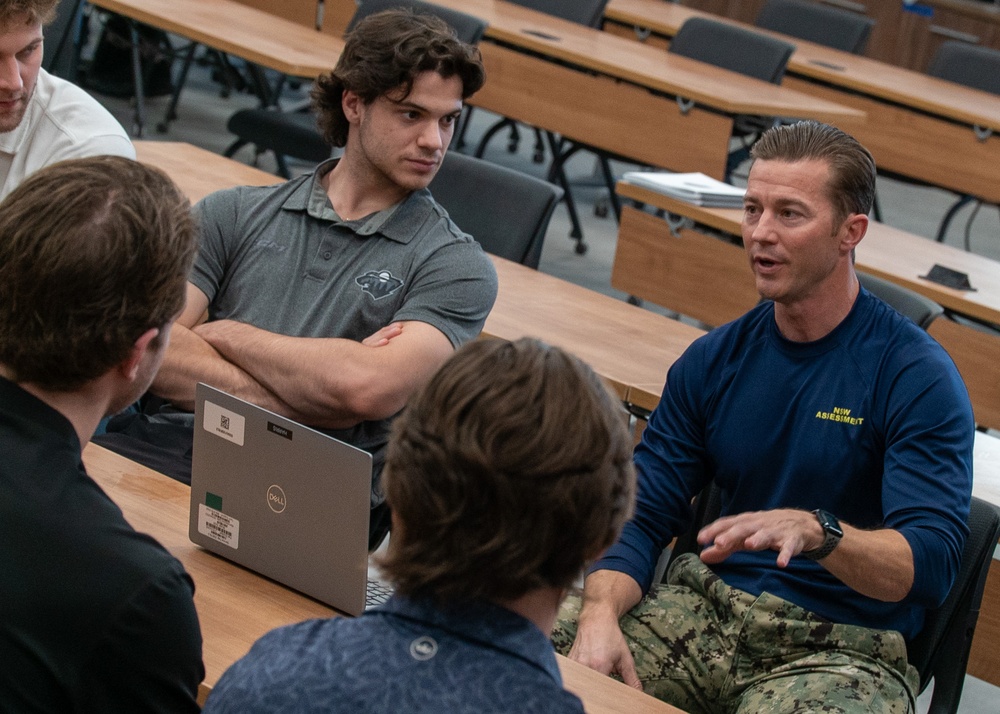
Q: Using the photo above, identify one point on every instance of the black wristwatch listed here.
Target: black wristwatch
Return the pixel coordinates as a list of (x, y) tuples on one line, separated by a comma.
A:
[(833, 532)]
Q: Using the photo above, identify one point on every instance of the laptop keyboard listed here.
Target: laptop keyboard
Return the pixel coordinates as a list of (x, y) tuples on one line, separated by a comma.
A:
[(377, 594)]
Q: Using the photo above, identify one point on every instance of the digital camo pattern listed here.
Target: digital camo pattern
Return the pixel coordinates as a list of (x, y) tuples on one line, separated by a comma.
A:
[(709, 648)]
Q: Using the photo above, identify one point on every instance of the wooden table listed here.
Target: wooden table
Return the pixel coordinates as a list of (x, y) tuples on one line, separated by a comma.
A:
[(236, 606), (620, 96), (625, 345), (199, 172), (253, 34), (240, 30), (917, 126)]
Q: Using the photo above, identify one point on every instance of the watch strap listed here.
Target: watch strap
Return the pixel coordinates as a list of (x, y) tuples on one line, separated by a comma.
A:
[(832, 535)]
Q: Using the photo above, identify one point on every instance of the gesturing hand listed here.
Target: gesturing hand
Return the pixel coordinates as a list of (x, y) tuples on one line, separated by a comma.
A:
[(788, 531)]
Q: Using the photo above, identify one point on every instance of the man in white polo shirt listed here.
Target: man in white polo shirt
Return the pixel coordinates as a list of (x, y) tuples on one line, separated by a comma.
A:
[(44, 119)]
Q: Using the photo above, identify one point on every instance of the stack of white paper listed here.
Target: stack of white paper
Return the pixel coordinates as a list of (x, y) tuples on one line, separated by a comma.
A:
[(699, 189)]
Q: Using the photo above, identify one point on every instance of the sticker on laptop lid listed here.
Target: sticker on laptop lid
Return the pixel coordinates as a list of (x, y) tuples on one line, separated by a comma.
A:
[(224, 423), (218, 526)]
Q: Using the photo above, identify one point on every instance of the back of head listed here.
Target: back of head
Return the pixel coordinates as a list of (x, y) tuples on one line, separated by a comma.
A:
[(508, 472), (384, 53), (852, 168), (93, 253), (30, 12)]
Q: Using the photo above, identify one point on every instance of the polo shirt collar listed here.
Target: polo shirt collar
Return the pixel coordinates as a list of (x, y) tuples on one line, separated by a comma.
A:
[(488, 624), (399, 223)]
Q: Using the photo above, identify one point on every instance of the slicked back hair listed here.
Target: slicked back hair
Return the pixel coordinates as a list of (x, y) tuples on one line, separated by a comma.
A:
[(852, 168), (508, 472)]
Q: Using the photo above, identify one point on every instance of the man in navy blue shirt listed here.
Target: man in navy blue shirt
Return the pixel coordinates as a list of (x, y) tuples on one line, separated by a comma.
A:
[(839, 435), (506, 475)]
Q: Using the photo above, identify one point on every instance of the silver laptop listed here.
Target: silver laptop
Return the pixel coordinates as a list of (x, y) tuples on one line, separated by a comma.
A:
[(280, 498)]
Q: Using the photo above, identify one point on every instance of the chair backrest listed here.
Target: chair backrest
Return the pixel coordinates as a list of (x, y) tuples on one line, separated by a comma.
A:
[(506, 211), (822, 24), (584, 12), (922, 310), (61, 40), (971, 65), (941, 650), (734, 48), (468, 28)]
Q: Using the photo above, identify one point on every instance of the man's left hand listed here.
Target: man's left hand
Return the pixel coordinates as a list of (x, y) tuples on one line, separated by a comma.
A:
[(786, 530)]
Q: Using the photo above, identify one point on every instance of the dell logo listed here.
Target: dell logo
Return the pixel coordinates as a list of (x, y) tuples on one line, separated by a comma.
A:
[(276, 499)]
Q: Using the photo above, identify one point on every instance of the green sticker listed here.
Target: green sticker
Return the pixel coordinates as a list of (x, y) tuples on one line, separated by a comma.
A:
[(213, 501)]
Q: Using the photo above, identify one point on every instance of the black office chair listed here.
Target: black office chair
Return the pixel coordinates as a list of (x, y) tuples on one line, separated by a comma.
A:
[(941, 651), (62, 40), (734, 48), (822, 24), (295, 133), (506, 211), (922, 310), (973, 66)]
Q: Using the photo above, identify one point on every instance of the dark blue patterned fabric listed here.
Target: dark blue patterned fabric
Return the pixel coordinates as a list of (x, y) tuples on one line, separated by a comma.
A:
[(407, 656)]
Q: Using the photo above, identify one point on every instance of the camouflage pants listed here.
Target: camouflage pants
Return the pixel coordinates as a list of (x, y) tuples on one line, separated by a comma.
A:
[(709, 648)]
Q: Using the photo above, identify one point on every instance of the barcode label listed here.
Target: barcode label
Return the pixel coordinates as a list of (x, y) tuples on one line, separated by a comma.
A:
[(218, 526)]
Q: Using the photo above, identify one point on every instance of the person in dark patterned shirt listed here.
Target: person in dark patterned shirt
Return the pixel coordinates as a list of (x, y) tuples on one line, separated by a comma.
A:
[(506, 475)]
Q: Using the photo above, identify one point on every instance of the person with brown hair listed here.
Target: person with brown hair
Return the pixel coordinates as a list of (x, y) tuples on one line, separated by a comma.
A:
[(94, 257), (44, 119), (507, 474), (331, 298), (838, 435)]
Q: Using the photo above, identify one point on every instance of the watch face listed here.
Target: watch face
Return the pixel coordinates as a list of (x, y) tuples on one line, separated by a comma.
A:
[(829, 523)]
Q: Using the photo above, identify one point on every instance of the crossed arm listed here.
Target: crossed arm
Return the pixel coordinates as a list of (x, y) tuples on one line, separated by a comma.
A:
[(325, 382)]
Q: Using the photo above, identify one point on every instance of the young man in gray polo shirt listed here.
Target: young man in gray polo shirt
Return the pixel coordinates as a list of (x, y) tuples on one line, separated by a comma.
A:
[(331, 298)]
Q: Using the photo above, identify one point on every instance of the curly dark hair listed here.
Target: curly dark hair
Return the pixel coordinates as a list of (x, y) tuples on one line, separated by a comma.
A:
[(93, 252), (508, 472), (385, 52)]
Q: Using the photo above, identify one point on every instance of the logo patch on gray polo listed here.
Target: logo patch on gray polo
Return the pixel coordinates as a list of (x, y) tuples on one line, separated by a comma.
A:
[(379, 283)]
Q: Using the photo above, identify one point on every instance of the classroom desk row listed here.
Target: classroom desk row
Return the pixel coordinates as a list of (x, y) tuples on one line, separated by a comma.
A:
[(236, 606), (550, 73), (917, 126)]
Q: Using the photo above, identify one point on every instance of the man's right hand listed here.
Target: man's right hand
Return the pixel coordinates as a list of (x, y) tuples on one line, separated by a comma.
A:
[(600, 645), (382, 337)]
